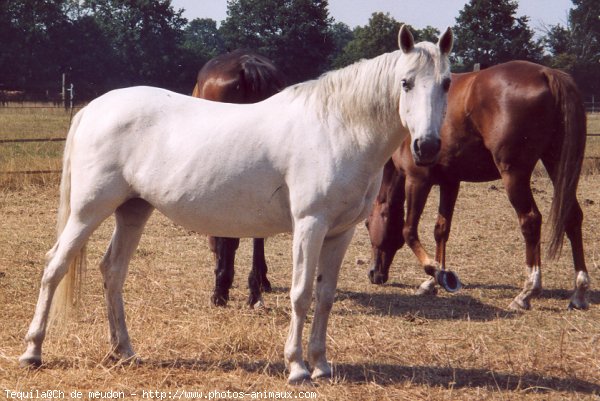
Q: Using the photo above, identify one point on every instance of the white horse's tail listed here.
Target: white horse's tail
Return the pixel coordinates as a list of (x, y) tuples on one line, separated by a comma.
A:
[(68, 292)]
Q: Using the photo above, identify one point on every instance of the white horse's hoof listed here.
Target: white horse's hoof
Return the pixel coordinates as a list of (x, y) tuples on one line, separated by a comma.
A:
[(323, 373), (30, 362), (578, 304), (299, 377), (519, 305)]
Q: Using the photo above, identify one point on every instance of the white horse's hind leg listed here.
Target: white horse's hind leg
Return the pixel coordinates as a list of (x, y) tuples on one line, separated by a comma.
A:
[(69, 244), (131, 217), (309, 233), (332, 255)]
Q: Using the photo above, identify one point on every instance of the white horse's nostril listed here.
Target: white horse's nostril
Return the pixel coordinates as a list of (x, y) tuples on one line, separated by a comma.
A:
[(426, 149)]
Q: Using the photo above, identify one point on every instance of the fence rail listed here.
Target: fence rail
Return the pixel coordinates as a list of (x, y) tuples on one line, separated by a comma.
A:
[(54, 139), (25, 140)]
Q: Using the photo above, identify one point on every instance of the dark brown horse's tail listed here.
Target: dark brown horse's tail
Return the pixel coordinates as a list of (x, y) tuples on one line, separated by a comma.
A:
[(573, 125)]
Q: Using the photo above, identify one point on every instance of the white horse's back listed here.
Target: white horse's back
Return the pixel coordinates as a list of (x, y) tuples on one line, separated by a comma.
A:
[(189, 158)]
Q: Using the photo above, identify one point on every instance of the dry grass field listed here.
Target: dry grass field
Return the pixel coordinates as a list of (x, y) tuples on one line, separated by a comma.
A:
[(385, 343)]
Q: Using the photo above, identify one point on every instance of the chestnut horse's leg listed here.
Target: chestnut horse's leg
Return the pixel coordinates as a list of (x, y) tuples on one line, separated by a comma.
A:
[(573, 231), (224, 251), (582, 280), (417, 191), (257, 279), (441, 232), (517, 184)]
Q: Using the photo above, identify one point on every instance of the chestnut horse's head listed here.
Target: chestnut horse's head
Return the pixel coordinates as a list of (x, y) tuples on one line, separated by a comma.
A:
[(424, 93), (386, 220)]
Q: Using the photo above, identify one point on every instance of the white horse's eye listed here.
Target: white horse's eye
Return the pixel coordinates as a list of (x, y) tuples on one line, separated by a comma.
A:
[(406, 85)]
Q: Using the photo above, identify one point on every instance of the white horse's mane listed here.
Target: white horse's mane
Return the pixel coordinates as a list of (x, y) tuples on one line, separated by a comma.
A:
[(368, 91)]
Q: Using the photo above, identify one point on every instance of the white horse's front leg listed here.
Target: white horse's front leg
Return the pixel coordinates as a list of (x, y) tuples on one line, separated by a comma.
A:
[(332, 255), (309, 233)]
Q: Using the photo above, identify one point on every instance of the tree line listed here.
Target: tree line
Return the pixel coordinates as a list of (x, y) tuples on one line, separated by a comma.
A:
[(106, 44)]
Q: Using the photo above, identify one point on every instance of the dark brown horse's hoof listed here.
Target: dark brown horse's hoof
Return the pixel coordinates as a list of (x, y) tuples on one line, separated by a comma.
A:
[(219, 300), (266, 285)]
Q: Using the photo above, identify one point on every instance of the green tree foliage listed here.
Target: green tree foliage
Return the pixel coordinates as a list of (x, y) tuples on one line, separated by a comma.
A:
[(27, 31), (295, 34), (378, 37), (584, 19), (104, 44), (558, 42), (341, 35), (488, 33), (100, 44), (145, 37), (202, 39), (576, 47), (201, 42)]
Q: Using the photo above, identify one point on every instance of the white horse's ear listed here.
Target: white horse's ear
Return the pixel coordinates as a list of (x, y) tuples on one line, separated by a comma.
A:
[(445, 42), (406, 42)]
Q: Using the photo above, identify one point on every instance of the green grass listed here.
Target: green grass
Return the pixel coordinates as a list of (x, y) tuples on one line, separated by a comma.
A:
[(34, 121)]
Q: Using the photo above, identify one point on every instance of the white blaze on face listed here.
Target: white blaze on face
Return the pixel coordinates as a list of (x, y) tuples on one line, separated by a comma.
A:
[(424, 94)]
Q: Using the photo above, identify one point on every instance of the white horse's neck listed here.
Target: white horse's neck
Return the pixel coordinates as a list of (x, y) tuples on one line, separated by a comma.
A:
[(363, 99)]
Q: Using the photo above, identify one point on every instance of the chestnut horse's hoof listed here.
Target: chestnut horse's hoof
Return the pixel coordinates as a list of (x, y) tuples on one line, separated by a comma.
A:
[(519, 305), (427, 288), (376, 277)]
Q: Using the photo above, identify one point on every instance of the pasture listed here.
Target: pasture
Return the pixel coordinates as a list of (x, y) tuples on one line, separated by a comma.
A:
[(385, 343)]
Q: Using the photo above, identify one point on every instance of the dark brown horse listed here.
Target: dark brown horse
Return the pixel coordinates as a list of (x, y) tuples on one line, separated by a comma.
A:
[(240, 76), (499, 123)]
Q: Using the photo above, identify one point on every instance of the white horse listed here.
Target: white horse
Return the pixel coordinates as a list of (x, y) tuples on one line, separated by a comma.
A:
[(307, 160)]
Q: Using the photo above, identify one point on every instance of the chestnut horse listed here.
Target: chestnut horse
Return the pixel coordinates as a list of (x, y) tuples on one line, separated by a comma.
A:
[(240, 76), (499, 123)]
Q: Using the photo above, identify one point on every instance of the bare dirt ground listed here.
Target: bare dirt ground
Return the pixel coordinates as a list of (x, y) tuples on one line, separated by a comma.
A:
[(385, 343)]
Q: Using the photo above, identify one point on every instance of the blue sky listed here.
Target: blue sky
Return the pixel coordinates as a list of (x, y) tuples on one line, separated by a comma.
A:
[(418, 13)]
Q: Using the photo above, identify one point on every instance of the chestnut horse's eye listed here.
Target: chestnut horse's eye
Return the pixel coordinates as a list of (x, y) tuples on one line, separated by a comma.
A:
[(446, 84)]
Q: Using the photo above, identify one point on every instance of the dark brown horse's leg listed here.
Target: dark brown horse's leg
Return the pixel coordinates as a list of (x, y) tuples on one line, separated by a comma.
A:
[(257, 279), (517, 184), (224, 250), (417, 190), (573, 231)]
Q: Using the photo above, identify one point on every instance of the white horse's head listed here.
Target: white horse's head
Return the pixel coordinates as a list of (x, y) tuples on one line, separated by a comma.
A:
[(425, 85)]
